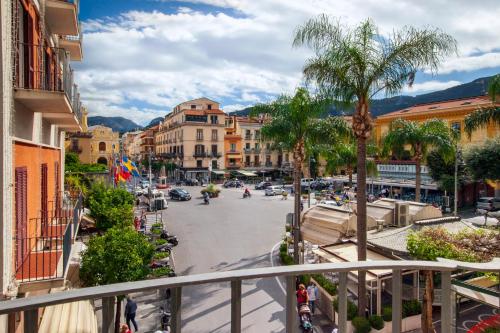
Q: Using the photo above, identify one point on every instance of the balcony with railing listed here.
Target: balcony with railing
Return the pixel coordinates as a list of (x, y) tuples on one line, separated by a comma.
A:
[(61, 16), (200, 154), (73, 44), (237, 278), (233, 152), (43, 253), (43, 82)]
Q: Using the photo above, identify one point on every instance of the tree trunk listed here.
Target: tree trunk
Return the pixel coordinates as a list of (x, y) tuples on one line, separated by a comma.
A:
[(361, 223), (427, 326), (418, 177), (349, 172), (298, 156), (361, 126), (118, 314)]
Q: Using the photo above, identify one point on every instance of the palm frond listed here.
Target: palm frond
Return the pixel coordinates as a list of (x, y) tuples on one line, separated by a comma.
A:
[(481, 118)]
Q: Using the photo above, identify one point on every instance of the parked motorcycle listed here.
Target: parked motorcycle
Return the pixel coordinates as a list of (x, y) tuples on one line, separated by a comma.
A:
[(171, 239), (165, 262), (305, 318), (164, 248)]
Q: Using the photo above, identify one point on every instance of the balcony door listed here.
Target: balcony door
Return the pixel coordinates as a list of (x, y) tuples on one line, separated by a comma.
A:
[(21, 194), (44, 199)]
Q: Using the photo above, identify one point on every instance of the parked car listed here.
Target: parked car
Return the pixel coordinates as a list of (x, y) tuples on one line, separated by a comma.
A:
[(191, 182), (233, 183), (306, 182), (263, 185), (144, 183), (179, 194), (274, 190), (157, 201), (490, 204)]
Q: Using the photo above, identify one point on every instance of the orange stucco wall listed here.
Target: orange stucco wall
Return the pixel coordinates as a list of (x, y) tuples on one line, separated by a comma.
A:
[(32, 157)]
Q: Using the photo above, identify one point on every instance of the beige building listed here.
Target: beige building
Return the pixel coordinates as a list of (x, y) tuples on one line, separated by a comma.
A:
[(96, 144), (127, 142), (192, 136)]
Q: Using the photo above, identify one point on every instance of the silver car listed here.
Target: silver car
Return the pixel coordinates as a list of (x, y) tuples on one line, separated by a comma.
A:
[(274, 190), (488, 203)]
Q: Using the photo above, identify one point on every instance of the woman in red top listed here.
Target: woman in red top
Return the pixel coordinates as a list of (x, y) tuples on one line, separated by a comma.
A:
[(302, 296)]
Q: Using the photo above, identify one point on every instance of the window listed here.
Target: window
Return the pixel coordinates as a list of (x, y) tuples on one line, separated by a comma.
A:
[(209, 106), (268, 159), (247, 160), (257, 146), (214, 164), (214, 120), (199, 134), (21, 213), (286, 158), (193, 106), (233, 146), (199, 163), (257, 135), (247, 145), (256, 160), (214, 135), (199, 149), (102, 146), (268, 146), (214, 150), (457, 127), (248, 135)]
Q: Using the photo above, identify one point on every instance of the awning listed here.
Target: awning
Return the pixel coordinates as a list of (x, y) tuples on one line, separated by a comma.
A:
[(247, 173), (219, 172)]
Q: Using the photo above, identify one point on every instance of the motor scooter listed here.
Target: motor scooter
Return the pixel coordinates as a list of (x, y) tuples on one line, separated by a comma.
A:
[(206, 199), (246, 194)]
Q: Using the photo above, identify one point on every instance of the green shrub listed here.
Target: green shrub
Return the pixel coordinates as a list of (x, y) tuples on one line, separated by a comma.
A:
[(286, 259), (283, 248), (288, 228), (387, 313), (160, 255), (361, 325), (411, 308), (157, 225), (160, 241), (162, 271), (376, 322), (305, 279), (495, 329), (352, 309), (156, 231), (326, 284)]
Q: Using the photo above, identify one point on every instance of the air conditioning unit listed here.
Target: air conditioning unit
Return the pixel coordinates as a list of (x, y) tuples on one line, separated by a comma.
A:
[(402, 214)]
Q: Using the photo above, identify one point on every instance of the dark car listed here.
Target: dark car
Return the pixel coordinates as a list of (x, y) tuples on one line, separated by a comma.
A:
[(179, 194), (191, 182), (263, 185), (233, 183)]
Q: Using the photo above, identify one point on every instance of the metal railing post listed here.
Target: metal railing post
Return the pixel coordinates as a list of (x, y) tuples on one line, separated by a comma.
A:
[(236, 306), (397, 308), (342, 301), (108, 314), (446, 307), (31, 321), (175, 322), (291, 305)]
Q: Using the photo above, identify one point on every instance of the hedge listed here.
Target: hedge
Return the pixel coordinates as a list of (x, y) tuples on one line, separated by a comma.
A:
[(376, 322), (352, 309), (326, 284), (361, 325)]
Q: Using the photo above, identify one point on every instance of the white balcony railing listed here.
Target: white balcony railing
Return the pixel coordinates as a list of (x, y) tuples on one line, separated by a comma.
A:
[(107, 293)]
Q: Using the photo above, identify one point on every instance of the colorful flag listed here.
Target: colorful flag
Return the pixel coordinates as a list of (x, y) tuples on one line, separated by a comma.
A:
[(129, 166)]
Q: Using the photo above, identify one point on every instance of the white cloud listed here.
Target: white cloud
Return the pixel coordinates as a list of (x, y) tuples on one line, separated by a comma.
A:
[(159, 60)]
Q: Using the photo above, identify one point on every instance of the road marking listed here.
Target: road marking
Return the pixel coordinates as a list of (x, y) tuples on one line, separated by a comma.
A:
[(271, 258)]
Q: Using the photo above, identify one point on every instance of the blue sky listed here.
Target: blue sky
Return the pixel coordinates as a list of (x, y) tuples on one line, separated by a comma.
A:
[(142, 57)]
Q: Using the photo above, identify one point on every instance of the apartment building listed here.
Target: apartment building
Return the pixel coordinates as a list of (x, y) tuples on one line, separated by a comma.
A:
[(147, 142), (39, 103), (192, 137), (256, 155)]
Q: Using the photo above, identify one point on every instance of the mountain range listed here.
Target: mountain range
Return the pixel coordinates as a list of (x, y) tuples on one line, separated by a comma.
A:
[(378, 107), (382, 106), (120, 124)]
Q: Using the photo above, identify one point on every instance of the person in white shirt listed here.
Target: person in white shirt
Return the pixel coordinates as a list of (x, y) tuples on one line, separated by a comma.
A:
[(312, 292)]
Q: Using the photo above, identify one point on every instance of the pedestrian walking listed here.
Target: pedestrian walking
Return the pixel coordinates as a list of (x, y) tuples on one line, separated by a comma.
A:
[(130, 310), (137, 223), (312, 292)]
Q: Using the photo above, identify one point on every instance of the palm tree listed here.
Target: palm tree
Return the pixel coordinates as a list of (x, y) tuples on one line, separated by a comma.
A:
[(354, 65), (484, 116), (422, 137), (294, 124)]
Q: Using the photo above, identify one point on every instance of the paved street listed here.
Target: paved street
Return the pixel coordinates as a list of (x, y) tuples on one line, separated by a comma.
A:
[(229, 233)]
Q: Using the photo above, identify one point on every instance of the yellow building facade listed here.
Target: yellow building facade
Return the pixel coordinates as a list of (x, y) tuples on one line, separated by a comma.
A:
[(452, 112)]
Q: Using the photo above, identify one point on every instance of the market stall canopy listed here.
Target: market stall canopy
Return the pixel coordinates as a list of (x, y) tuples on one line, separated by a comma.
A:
[(247, 173), (219, 172), (324, 224)]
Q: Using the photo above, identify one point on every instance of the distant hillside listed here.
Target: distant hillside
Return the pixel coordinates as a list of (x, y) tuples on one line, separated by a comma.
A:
[(154, 122), (118, 124), (382, 106)]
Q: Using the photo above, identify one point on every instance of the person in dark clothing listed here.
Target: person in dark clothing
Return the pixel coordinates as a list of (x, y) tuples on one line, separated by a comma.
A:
[(130, 310)]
